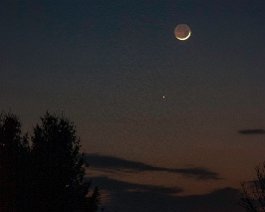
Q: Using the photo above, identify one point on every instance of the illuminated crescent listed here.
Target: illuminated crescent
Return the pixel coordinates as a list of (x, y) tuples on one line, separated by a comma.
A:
[(185, 38)]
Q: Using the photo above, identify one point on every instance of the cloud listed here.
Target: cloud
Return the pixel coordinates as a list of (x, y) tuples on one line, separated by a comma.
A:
[(119, 164), (252, 131), (125, 196), (121, 186)]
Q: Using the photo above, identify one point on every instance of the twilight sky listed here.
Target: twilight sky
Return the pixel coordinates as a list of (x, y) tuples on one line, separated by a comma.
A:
[(107, 66)]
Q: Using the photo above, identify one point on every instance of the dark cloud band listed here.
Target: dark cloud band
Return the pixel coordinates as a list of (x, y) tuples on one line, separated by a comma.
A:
[(251, 131), (119, 164)]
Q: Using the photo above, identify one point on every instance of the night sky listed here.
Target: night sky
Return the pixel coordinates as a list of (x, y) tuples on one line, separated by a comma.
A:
[(107, 65)]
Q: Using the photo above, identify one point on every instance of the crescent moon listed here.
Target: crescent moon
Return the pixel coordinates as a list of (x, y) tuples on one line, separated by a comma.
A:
[(182, 32), (185, 38)]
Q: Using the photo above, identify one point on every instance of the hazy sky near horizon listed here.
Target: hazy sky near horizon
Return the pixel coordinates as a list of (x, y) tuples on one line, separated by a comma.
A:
[(107, 66)]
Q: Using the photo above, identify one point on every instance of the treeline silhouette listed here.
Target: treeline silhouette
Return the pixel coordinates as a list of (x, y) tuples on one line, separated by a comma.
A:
[(44, 171)]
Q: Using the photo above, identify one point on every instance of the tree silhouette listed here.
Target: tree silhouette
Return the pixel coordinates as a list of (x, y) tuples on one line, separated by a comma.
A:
[(47, 175), (253, 192), (14, 154)]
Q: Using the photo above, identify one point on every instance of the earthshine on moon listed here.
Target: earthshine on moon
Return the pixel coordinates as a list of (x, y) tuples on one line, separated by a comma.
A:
[(182, 32)]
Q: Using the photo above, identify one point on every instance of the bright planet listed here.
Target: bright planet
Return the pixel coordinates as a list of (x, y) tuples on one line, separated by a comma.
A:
[(182, 32)]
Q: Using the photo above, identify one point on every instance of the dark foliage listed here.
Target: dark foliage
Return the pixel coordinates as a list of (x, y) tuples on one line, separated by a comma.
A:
[(14, 154), (253, 192), (47, 175)]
